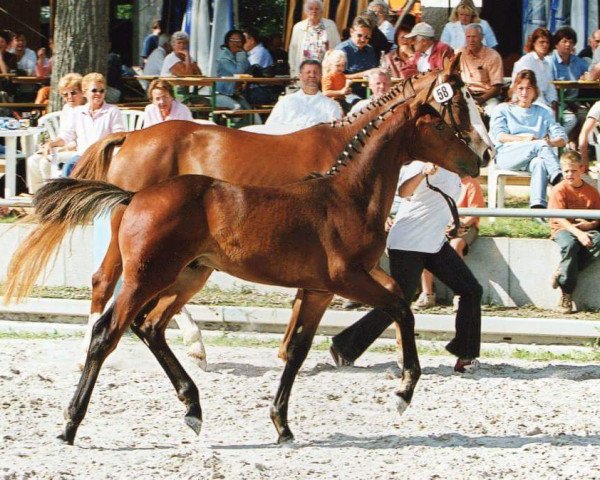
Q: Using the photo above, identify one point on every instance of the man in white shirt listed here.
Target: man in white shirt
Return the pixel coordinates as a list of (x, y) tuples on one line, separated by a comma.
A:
[(308, 106), (155, 60), (381, 9), (257, 53)]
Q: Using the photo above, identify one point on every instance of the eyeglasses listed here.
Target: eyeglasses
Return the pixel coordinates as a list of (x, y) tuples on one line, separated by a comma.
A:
[(361, 35), (72, 93), (97, 90)]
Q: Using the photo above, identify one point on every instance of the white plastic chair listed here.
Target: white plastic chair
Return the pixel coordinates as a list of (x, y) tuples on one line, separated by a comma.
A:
[(133, 119), (497, 183), (51, 122)]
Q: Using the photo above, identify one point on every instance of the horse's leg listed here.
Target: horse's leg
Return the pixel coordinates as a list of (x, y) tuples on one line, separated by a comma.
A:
[(291, 326), (189, 281), (151, 331), (311, 307), (106, 333), (106, 277), (388, 282), (381, 291)]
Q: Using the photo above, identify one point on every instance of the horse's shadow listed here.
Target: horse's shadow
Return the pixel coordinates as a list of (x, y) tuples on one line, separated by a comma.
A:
[(445, 440), (486, 370)]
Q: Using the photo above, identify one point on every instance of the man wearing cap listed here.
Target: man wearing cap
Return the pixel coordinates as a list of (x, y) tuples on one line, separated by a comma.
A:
[(429, 53), (481, 69)]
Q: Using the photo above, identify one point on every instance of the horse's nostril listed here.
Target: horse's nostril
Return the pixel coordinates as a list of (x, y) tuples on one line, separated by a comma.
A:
[(486, 157)]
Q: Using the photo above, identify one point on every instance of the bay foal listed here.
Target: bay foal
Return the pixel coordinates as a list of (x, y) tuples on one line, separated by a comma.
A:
[(323, 235)]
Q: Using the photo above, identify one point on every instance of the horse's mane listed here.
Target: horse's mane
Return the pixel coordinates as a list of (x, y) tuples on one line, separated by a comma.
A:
[(394, 92), (359, 140)]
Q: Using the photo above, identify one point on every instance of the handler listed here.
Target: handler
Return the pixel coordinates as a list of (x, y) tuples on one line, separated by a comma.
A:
[(416, 241)]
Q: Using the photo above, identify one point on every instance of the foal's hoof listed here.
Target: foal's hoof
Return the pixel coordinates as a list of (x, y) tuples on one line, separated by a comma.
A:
[(401, 403), (65, 440), (197, 353), (286, 436), (194, 423)]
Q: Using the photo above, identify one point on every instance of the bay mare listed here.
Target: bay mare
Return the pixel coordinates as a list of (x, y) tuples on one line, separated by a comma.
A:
[(173, 148), (323, 235)]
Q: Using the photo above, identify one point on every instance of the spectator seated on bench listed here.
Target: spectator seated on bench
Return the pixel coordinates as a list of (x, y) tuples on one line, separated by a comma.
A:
[(45, 164), (525, 135), (578, 239), (164, 107), (90, 122)]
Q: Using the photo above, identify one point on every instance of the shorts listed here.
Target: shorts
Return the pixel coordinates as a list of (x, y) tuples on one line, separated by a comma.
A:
[(469, 236)]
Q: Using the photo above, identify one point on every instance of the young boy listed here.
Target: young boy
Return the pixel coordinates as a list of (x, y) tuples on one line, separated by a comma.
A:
[(578, 239)]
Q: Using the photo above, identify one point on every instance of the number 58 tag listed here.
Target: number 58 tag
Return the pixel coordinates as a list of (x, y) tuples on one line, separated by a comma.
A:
[(443, 93)]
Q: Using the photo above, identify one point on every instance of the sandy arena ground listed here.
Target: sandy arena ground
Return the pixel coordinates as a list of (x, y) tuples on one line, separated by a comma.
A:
[(511, 419)]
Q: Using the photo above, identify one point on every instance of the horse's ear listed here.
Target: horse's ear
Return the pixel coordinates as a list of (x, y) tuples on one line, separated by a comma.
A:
[(454, 64), (426, 113)]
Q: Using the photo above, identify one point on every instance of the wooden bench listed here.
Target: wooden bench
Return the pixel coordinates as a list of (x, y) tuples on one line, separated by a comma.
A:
[(228, 115)]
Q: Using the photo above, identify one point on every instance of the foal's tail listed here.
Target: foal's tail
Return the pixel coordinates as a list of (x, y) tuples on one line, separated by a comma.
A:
[(94, 163), (60, 205)]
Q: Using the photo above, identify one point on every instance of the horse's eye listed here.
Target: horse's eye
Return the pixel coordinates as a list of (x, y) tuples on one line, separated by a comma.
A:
[(440, 126)]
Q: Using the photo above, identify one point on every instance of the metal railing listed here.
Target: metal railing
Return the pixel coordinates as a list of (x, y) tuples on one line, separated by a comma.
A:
[(529, 213)]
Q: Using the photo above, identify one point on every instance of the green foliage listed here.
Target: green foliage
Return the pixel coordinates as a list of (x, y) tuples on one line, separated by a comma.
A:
[(266, 16)]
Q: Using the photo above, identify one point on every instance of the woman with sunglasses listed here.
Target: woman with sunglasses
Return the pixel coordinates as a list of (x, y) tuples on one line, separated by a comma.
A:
[(90, 122), (43, 166)]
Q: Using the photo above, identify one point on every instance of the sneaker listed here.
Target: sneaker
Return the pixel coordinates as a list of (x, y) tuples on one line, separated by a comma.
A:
[(554, 279), (565, 305), (338, 359), (466, 365), (424, 301), (455, 301)]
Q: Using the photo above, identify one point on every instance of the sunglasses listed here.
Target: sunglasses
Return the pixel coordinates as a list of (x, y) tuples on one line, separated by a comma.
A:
[(97, 90), (361, 35), (72, 93)]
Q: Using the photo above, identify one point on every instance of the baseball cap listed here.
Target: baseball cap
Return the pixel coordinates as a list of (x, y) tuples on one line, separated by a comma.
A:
[(423, 29)]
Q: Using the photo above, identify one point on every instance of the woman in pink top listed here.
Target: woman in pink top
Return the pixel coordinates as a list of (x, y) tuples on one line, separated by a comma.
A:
[(163, 107)]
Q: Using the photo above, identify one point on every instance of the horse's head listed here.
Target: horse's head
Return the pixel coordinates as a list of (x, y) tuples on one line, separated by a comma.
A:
[(457, 107), (435, 141)]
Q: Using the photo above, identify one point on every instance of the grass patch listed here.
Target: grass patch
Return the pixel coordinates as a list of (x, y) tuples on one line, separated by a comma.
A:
[(250, 297), (234, 340), (514, 227)]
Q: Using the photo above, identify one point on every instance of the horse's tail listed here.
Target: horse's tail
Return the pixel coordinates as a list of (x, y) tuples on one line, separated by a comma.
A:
[(94, 163), (60, 205)]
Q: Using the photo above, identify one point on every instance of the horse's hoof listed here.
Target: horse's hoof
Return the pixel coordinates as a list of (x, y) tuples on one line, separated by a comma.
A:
[(64, 439), (401, 404), (286, 436), (198, 355), (194, 423)]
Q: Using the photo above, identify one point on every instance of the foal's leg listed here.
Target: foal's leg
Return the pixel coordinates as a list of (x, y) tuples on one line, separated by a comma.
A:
[(384, 294), (106, 333), (189, 281), (151, 331), (388, 282), (292, 324), (311, 305), (106, 277)]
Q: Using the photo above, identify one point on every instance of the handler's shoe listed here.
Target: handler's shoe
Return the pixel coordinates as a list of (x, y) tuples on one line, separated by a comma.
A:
[(466, 365), (565, 305), (338, 359), (424, 301)]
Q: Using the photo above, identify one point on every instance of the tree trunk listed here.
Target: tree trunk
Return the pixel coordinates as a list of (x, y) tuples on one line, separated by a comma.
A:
[(80, 41)]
